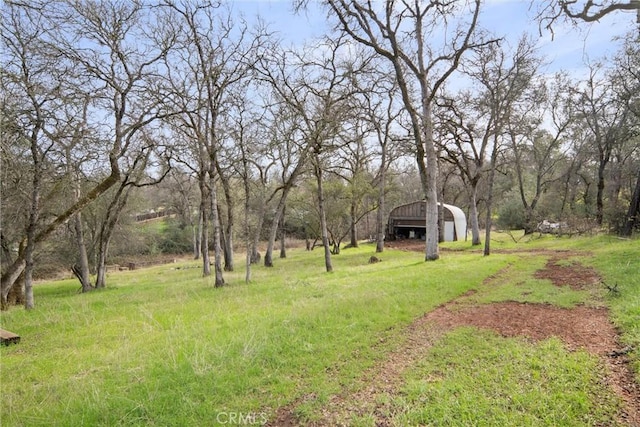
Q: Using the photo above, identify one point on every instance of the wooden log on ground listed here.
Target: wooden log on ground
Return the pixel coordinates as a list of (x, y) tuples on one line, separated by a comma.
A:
[(7, 338)]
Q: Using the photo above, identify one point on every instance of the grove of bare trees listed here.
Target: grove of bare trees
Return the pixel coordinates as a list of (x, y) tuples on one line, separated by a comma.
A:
[(242, 138)]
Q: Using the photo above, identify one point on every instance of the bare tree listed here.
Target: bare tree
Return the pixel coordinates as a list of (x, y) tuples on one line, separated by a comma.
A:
[(287, 129), (604, 116), (217, 54), (133, 176), (75, 142), (400, 33), (117, 64), (550, 12), (356, 154), (30, 75), (244, 134), (378, 92), (473, 122), (626, 75)]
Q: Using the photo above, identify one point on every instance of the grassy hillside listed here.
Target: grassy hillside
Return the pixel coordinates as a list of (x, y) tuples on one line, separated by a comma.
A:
[(161, 346)]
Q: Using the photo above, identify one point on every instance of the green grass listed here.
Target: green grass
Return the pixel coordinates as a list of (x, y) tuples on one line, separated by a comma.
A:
[(161, 346), (518, 283), (618, 261), (474, 377)]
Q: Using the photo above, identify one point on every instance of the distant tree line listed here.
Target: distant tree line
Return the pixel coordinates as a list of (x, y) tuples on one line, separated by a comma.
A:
[(110, 108)]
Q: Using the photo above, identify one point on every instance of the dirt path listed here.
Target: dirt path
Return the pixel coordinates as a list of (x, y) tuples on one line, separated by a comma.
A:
[(579, 328)]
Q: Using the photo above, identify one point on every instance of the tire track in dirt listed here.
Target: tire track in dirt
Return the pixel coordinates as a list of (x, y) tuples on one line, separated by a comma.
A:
[(581, 327)]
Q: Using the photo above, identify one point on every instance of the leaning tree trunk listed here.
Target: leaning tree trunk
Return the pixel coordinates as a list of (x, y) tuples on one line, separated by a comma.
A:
[(13, 271), (268, 255), (273, 233), (16, 294), (106, 231), (9, 281)]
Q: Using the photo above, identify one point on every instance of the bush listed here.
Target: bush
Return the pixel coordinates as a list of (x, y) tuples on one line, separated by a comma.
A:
[(175, 238), (511, 216)]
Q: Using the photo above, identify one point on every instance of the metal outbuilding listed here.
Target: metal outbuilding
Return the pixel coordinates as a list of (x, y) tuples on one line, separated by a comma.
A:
[(409, 222)]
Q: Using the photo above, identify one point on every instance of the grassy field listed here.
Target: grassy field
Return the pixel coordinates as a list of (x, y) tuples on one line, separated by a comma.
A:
[(161, 346)]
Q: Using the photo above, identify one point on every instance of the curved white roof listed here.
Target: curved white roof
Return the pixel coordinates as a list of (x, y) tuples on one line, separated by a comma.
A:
[(459, 220)]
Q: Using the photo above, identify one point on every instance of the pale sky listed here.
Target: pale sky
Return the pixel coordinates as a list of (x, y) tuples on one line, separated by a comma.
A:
[(510, 18)]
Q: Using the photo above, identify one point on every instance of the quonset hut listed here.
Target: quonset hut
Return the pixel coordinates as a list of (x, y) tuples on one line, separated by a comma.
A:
[(409, 222)]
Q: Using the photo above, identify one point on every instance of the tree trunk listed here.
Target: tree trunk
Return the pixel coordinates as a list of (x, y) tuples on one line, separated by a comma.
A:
[(197, 236), (103, 251), (228, 228), (204, 225), (381, 206), (323, 218), (473, 214), (28, 276), (81, 270), (247, 264), (633, 214), (352, 226), (9, 279), (5, 255), (489, 219), (106, 230), (16, 294), (228, 248), (600, 194), (380, 227), (247, 228), (204, 245), (441, 220), (101, 268), (429, 174), (283, 236), (268, 256), (34, 216), (219, 279), (255, 254)]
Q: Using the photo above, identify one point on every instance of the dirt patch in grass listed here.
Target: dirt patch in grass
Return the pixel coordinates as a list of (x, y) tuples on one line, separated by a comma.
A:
[(580, 327), (576, 276)]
